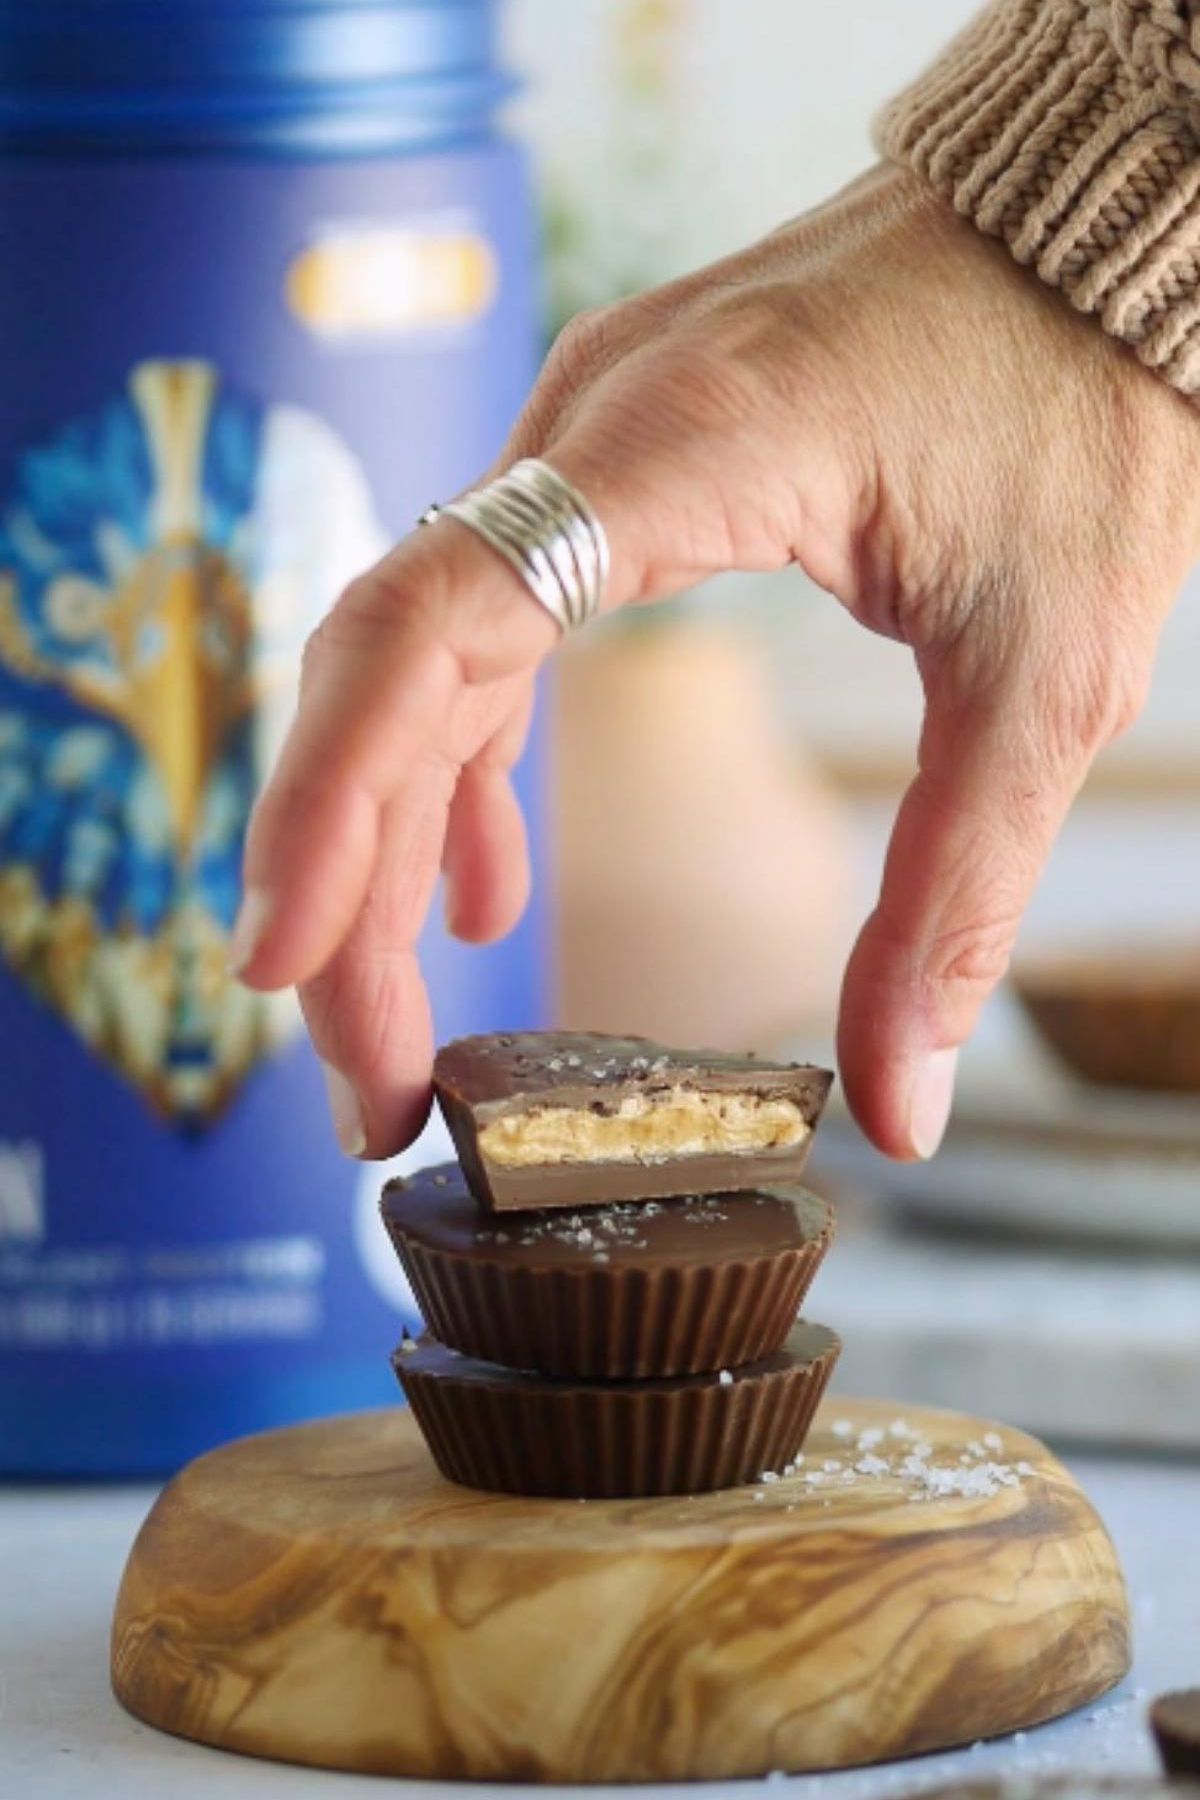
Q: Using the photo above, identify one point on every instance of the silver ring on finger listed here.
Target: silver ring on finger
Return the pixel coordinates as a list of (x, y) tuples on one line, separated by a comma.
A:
[(546, 531)]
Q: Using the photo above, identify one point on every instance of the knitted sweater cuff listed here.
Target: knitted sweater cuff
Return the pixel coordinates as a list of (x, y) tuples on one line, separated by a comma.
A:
[(1071, 130)]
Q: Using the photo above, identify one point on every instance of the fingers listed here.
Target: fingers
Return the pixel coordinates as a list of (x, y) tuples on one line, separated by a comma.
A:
[(376, 726), (486, 857), (998, 774), (367, 1010), (368, 1017), (444, 613)]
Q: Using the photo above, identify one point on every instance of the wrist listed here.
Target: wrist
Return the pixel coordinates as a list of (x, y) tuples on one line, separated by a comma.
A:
[(1067, 131)]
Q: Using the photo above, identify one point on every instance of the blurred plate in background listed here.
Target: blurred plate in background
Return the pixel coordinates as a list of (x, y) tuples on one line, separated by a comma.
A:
[(1034, 1152)]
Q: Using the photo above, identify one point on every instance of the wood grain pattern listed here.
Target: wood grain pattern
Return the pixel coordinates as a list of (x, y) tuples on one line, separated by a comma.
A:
[(320, 1595)]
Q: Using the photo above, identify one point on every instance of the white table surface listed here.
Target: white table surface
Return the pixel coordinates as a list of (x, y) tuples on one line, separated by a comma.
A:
[(62, 1735)]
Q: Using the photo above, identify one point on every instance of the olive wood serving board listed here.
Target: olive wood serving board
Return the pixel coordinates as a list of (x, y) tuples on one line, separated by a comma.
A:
[(320, 1595)]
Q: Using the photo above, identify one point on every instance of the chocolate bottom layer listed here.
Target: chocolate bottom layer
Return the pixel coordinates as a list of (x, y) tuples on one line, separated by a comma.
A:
[(493, 1428), (619, 1293)]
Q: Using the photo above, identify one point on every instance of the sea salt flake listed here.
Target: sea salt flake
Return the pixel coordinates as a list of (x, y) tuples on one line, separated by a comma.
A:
[(725, 1378), (871, 1465), (769, 1475), (976, 1481), (842, 1428), (868, 1440), (993, 1440)]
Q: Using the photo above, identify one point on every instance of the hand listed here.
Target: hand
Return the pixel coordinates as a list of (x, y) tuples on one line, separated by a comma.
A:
[(876, 393)]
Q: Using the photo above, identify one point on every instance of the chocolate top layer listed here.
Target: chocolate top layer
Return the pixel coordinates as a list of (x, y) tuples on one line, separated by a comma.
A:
[(425, 1356), (516, 1070), (435, 1208)]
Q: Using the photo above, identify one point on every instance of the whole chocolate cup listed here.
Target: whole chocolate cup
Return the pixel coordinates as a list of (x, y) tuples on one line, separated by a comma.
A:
[(622, 1293), (1175, 1722), (505, 1432)]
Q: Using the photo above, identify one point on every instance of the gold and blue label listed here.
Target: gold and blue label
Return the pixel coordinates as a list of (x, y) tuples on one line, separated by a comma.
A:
[(159, 570)]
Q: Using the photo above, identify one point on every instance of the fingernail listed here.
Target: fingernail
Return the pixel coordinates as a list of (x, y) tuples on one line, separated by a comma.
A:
[(347, 1113), (248, 929), (930, 1101)]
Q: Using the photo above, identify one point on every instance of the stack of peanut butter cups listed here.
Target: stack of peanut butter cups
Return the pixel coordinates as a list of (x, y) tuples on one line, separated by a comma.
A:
[(611, 1274)]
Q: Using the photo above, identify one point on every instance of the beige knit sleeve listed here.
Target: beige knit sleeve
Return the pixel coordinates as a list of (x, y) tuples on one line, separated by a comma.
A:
[(1071, 130)]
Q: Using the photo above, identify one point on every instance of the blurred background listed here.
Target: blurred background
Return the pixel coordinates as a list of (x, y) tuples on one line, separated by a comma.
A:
[(287, 348)]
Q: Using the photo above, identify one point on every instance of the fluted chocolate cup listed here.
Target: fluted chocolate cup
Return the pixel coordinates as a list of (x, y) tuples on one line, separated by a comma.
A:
[(619, 1293), (506, 1432)]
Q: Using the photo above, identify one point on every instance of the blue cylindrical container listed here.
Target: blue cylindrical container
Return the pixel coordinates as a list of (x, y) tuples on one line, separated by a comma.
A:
[(266, 292)]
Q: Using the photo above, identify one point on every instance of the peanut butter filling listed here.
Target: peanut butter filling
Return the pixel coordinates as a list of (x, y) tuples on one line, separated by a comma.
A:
[(679, 1121)]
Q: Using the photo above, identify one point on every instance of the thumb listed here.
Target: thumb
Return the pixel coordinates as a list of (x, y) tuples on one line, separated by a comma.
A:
[(997, 775)]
